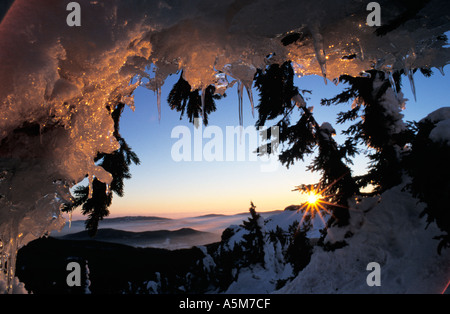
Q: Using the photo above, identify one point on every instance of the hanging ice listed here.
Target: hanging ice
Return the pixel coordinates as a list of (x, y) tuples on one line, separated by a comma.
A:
[(250, 97), (319, 50), (393, 85), (70, 219), (411, 82), (240, 89), (90, 186), (244, 74)]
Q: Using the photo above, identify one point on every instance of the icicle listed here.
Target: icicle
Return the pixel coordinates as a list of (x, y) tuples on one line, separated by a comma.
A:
[(392, 81), (203, 104), (158, 101), (70, 219), (250, 97), (441, 69), (108, 189), (240, 88), (240, 91), (9, 259), (91, 181), (320, 51), (411, 82)]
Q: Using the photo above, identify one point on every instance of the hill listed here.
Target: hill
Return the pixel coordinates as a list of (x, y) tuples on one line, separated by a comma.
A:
[(180, 238)]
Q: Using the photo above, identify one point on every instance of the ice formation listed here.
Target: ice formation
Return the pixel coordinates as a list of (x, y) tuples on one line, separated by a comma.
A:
[(56, 80)]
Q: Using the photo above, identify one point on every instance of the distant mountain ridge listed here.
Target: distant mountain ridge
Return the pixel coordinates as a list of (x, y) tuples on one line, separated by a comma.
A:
[(144, 218), (144, 238), (211, 224), (133, 218)]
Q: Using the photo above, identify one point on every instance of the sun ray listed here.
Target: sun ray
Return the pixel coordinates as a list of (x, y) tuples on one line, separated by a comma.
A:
[(317, 202)]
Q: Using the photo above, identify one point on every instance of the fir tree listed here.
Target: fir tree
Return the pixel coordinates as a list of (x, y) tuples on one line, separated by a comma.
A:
[(276, 90), (254, 239), (300, 249), (380, 126), (428, 166), (186, 101)]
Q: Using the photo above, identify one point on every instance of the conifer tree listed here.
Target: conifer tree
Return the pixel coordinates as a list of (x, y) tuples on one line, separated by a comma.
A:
[(300, 249), (428, 166), (182, 99), (254, 239), (376, 105)]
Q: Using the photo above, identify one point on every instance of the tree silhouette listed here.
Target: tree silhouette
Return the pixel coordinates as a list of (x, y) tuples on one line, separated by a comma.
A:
[(182, 99), (253, 240)]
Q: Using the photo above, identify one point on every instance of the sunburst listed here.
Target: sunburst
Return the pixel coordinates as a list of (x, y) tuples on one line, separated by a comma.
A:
[(315, 203)]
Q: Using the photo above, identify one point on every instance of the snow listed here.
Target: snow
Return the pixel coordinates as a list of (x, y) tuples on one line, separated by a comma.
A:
[(441, 118), (286, 218), (55, 80), (327, 129), (208, 261), (438, 115), (393, 102), (256, 280), (441, 132)]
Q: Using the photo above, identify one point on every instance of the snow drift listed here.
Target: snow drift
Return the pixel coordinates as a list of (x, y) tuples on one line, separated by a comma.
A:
[(58, 84)]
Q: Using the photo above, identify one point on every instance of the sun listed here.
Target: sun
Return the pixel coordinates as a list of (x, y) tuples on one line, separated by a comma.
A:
[(316, 200), (313, 198), (314, 204)]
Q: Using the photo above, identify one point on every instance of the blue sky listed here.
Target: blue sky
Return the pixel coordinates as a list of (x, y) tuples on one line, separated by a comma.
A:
[(161, 186)]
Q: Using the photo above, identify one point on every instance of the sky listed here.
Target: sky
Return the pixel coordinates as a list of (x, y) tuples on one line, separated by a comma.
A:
[(162, 186)]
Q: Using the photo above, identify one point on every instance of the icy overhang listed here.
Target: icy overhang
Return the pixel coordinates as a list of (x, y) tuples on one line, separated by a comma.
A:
[(56, 80)]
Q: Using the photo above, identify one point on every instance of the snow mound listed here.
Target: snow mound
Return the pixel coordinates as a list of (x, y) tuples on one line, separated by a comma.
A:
[(438, 115), (441, 132), (387, 231)]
